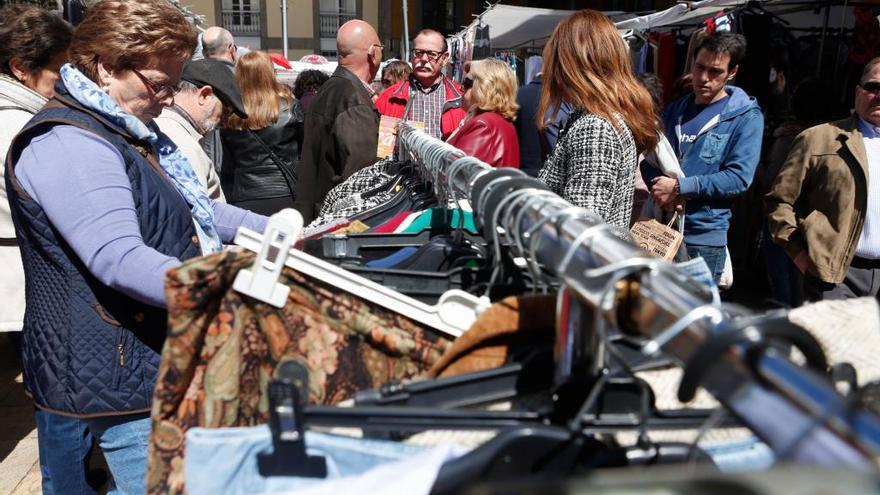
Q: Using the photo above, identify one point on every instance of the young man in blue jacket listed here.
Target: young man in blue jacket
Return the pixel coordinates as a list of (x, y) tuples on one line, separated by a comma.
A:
[(717, 132)]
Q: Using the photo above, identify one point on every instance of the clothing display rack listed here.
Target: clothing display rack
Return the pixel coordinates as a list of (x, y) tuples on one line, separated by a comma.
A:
[(651, 300), (619, 310)]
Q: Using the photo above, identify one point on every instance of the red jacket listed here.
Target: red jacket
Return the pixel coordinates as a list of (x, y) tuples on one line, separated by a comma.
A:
[(489, 137), (392, 102)]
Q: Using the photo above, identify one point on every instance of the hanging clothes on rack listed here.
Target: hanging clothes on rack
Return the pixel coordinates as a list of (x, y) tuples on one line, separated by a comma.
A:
[(664, 61), (482, 45), (218, 358), (534, 65), (508, 57), (621, 311)]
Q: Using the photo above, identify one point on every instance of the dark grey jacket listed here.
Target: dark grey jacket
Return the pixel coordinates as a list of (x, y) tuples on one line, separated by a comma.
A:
[(255, 157), (341, 130)]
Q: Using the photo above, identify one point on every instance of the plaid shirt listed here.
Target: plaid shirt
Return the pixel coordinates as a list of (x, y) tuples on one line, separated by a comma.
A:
[(427, 106)]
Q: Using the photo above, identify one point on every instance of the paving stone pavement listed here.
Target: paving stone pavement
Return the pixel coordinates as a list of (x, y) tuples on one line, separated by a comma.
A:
[(19, 461)]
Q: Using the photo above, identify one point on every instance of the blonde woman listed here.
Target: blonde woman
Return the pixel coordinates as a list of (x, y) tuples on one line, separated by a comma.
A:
[(262, 151), (487, 132)]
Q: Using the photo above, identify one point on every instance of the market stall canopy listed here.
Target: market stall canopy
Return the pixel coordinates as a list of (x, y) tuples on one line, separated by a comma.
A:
[(513, 27), (510, 27), (678, 14)]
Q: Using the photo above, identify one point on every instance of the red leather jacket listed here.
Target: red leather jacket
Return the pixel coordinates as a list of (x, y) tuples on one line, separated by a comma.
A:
[(392, 102), (489, 137)]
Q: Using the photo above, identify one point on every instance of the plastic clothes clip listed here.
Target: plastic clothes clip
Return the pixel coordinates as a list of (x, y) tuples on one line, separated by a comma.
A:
[(261, 280)]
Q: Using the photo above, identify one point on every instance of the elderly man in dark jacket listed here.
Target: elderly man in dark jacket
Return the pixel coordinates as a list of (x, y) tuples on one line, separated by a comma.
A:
[(342, 125)]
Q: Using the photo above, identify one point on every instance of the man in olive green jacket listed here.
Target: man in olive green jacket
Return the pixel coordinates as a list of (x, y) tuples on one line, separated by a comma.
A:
[(824, 206)]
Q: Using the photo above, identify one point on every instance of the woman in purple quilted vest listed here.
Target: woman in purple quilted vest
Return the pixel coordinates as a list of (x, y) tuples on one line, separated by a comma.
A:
[(103, 204)]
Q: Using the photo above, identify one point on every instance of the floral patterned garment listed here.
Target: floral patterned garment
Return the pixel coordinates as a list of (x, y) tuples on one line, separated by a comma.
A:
[(222, 348)]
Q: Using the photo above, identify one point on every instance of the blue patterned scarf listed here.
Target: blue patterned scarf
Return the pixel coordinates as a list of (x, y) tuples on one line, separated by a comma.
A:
[(175, 165)]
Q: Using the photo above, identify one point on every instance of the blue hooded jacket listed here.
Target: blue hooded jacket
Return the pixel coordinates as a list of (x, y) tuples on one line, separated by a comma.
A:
[(719, 165)]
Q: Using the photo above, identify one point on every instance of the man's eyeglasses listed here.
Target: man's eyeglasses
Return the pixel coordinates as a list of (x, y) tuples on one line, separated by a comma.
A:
[(431, 54), (160, 91), (467, 83), (381, 46), (872, 87)]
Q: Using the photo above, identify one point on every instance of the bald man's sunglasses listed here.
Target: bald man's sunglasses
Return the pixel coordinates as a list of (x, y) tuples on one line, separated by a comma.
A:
[(872, 87)]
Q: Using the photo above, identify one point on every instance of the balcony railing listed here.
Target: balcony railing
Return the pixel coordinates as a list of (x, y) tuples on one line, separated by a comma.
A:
[(241, 21), (330, 22)]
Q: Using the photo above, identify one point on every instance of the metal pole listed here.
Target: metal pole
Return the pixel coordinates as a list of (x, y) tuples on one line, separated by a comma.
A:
[(822, 40), (405, 29), (654, 302), (284, 28)]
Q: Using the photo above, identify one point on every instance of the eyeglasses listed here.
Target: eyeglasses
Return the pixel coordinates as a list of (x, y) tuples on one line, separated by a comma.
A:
[(872, 87), (467, 83), (381, 46), (160, 91), (431, 54)]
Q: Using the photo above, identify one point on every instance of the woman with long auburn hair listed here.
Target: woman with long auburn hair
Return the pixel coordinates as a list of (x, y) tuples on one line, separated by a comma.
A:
[(261, 152), (586, 64)]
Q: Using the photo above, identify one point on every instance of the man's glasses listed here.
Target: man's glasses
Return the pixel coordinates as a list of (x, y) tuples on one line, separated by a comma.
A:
[(160, 91), (431, 54), (872, 87), (467, 83)]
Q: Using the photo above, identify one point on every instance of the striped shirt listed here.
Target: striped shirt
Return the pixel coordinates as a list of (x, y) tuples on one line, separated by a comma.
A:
[(428, 107), (869, 241)]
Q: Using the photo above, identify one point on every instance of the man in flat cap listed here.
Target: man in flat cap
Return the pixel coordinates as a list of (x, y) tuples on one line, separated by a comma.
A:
[(208, 93)]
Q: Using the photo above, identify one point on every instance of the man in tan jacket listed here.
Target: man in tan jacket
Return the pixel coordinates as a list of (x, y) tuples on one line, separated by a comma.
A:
[(824, 206)]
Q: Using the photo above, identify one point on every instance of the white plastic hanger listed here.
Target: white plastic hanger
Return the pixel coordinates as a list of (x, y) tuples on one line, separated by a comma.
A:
[(261, 281), (454, 313)]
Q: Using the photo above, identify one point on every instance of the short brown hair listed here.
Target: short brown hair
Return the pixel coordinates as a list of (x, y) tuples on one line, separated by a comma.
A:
[(494, 87), (431, 32), (33, 35), (395, 71), (128, 34)]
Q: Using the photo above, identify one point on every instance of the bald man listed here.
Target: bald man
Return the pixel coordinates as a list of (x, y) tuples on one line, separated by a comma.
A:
[(218, 44), (342, 125)]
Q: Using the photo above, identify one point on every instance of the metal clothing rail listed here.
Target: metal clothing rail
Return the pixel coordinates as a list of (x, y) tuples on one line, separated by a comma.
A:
[(796, 411)]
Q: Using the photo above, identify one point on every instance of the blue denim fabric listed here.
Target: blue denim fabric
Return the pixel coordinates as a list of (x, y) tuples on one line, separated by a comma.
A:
[(64, 445), (224, 460), (124, 441), (740, 455), (699, 271), (713, 256), (718, 166), (786, 281)]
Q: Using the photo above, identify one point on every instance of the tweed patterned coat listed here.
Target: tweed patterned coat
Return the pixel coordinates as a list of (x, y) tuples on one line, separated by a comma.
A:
[(593, 166)]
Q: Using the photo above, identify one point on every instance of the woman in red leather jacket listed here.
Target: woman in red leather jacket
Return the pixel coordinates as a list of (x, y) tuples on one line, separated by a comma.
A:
[(487, 132)]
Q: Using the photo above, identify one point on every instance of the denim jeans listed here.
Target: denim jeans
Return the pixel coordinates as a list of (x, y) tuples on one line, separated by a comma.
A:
[(714, 256), (749, 454), (64, 444), (786, 281), (224, 460), (124, 440), (698, 270)]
